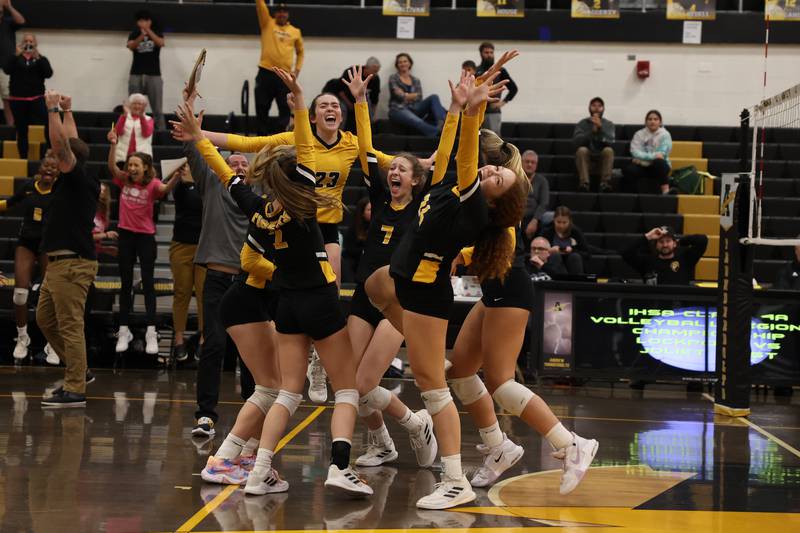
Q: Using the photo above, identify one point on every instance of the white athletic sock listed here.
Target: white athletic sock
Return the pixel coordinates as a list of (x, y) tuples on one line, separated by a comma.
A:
[(251, 447), (23, 331), (381, 435), (491, 436), (231, 447), (410, 421), (559, 437), (451, 466), (263, 463)]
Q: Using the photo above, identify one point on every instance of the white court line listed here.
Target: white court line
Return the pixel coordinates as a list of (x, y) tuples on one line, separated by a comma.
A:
[(786, 446)]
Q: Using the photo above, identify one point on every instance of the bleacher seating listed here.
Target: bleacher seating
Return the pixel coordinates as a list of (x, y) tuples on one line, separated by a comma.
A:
[(610, 221)]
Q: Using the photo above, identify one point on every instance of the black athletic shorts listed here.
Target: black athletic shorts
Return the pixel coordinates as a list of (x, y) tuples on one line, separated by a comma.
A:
[(361, 307), (515, 291), (313, 312), (244, 304), (330, 233), (431, 299), (31, 244)]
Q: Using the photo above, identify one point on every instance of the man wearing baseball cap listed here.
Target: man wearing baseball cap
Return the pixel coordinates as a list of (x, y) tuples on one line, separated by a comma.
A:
[(662, 255)]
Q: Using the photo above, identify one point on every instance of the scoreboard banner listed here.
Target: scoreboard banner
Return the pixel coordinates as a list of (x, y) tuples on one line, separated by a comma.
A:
[(691, 9), (501, 8), (407, 8), (595, 9), (782, 10)]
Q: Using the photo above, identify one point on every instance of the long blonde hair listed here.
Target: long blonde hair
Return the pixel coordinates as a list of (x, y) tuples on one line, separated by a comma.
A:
[(272, 167)]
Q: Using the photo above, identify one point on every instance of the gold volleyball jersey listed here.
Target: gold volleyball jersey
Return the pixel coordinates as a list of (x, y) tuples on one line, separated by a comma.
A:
[(334, 162)]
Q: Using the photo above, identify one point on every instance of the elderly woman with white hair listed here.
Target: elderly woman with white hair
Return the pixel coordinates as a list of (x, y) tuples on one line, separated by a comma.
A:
[(134, 129)]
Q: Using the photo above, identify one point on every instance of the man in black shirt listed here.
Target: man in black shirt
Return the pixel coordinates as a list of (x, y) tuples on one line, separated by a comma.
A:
[(671, 260), (67, 241), (541, 264), (789, 275), (146, 42), (493, 119), (10, 21)]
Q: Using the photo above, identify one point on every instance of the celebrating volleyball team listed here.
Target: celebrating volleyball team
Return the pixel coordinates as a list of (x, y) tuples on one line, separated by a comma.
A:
[(424, 220)]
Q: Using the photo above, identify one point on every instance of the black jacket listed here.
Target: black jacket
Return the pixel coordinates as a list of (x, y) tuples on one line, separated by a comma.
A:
[(581, 246), (27, 76), (678, 270), (788, 277)]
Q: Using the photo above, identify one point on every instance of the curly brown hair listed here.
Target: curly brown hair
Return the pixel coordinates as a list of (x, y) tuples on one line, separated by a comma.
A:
[(147, 162), (272, 167), (494, 247), (417, 172)]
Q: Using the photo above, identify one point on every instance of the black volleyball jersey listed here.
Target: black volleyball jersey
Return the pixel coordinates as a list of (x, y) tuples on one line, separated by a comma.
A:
[(298, 250), (450, 216), (35, 202), (256, 257)]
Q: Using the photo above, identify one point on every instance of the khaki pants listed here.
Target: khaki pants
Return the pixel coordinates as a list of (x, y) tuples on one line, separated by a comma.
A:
[(589, 162), (186, 275), (62, 301)]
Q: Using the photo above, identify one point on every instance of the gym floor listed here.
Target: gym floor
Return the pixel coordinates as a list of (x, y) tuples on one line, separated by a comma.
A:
[(127, 462)]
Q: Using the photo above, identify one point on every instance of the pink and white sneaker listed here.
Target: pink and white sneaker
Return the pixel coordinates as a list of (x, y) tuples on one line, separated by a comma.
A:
[(223, 471)]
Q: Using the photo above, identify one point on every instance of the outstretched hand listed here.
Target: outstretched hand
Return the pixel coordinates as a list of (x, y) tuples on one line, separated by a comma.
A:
[(460, 93), (357, 85), (188, 127), (189, 98), (51, 99), (498, 65), (288, 79)]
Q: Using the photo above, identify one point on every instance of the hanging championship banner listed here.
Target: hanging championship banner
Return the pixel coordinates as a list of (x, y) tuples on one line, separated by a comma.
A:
[(595, 9), (501, 8), (782, 10), (691, 9), (407, 8)]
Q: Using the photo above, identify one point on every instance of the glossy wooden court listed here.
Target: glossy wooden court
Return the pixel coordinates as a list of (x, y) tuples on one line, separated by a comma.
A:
[(127, 463)]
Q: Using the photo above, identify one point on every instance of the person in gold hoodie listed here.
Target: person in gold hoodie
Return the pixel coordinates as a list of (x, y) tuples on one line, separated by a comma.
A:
[(281, 47)]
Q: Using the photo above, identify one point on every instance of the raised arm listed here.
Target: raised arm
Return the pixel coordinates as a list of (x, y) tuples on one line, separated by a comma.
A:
[(70, 128), (264, 18), (467, 155), (58, 137), (358, 88), (165, 188), (303, 138), (117, 175), (16, 16)]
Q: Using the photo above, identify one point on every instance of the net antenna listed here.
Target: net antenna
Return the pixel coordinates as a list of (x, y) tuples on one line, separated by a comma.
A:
[(780, 116)]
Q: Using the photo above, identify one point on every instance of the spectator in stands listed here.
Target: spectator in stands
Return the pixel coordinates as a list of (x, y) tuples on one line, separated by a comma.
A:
[(541, 262), (567, 241), (650, 148), (281, 46), (72, 264), (406, 104), (789, 275), (222, 235), (146, 42), (102, 221), (27, 71), (33, 200), (355, 239), (538, 196), (371, 67), (493, 118), (139, 190), (187, 274), (593, 139), (660, 255), (10, 21), (134, 129), (470, 66)]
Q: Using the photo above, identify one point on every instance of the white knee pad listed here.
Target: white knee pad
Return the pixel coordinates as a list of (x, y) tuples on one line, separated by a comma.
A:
[(435, 400), (513, 396), (377, 399), (468, 390), (20, 296), (364, 410), (290, 400), (263, 398), (349, 396)]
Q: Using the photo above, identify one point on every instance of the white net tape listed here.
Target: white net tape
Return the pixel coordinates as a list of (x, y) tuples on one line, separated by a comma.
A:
[(775, 122)]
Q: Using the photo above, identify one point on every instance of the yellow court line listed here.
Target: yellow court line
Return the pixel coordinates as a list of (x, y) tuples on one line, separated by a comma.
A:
[(230, 489), (786, 446)]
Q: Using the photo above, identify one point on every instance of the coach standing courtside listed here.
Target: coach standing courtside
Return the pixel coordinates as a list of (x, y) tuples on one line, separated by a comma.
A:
[(280, 41), (67, 241), (221, 237)]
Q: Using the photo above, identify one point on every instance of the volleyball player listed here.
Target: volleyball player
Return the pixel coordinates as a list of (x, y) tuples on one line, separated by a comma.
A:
[(491, 338), (395, 200), (247, 309), (308, 302), (34, 198), (449, 216)]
